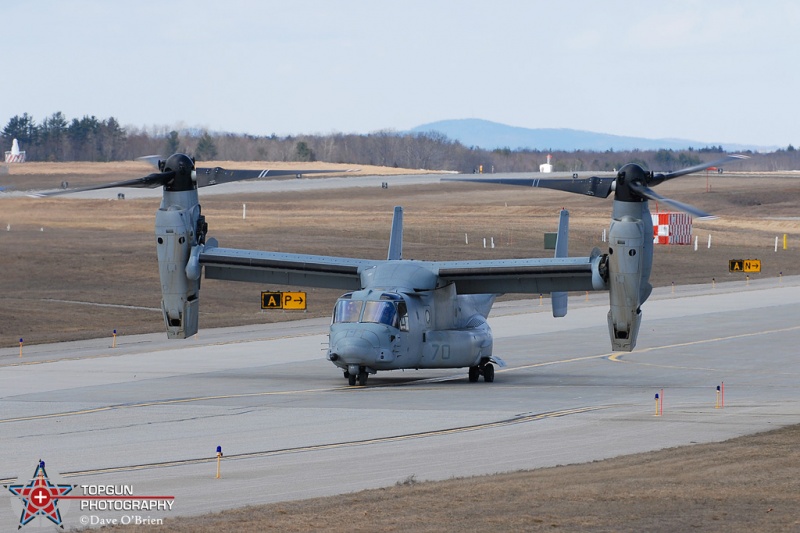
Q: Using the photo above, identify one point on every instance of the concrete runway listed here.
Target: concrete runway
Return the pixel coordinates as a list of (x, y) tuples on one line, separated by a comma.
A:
[(150, 412)]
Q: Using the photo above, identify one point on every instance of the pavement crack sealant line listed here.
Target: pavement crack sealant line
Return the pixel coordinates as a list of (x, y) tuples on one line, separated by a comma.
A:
[(520, 419)]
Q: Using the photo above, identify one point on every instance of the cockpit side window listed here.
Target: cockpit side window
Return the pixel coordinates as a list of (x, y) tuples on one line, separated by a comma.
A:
[(402, 312), (381, 312), (347, 311)]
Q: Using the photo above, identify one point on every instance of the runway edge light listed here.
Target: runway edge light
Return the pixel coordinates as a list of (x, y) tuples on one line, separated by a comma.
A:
[(219, 460)]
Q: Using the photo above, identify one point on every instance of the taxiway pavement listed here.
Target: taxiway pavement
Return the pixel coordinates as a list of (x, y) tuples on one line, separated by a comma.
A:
[(149, 413)]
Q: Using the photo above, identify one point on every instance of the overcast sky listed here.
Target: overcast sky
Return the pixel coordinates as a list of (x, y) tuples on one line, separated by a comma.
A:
[(716, 71)]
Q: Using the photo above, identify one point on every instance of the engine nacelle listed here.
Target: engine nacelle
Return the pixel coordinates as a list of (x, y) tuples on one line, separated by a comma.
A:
[(176, 246), (625, 280)]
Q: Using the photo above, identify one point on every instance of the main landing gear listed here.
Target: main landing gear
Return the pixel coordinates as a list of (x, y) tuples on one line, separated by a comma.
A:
[(361, 377), (485, 369)]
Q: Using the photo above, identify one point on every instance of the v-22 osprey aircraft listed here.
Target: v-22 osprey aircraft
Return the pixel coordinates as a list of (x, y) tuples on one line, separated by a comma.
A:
[(409, 314)]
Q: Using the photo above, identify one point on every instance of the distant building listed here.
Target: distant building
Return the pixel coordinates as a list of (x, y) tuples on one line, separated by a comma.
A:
[(15, 156), (547, 167)]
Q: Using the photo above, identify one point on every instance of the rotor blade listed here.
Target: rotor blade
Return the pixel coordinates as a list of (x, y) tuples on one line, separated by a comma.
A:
[(594, 186), (150, 159), (501, 181), (150, 181), (205, 177), (217, 175), (649, 193), (700, 167)]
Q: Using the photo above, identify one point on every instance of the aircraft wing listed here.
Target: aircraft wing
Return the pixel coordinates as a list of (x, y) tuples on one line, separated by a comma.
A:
[(298, 270), (530, 276)]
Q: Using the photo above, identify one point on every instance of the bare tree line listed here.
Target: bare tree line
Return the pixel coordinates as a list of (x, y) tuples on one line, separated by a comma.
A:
[(91, 139)]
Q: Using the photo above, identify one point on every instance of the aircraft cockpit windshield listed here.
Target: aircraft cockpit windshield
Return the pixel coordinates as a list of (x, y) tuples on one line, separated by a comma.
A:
[(389, 310), (347, 310), (382, 312)]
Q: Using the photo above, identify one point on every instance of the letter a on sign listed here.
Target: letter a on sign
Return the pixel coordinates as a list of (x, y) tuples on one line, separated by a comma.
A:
[(736, 265), (271, 300)]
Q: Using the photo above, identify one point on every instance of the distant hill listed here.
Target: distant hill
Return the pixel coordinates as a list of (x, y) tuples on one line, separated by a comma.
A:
[(491, 135)]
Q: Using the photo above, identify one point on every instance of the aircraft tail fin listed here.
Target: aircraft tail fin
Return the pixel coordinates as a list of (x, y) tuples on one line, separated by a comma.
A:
[(396, 238), (559, 299)]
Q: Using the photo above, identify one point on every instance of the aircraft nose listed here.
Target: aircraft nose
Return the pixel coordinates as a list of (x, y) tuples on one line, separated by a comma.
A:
[(354, 350)]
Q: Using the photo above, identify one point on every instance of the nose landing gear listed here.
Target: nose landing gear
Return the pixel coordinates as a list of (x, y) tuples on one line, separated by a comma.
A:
[(360, 376), (485, 369)]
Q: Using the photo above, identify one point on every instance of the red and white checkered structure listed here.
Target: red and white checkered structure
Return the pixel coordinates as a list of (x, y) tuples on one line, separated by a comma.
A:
[(15, 158), (672, 228)]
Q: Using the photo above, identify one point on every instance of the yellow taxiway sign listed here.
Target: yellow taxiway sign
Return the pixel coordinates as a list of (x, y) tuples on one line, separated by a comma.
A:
[(283, 300), (744, 265)]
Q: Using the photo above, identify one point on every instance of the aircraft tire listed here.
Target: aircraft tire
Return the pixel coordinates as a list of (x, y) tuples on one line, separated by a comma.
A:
[(362, 378), (474, 374), (488, 373), (351, 379)]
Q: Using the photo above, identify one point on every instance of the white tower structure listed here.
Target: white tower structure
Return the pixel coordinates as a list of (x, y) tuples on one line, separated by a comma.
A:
[(15, 155), (547, 167)]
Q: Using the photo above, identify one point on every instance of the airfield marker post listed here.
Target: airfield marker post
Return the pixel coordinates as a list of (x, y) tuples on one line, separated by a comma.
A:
[(716, 404), (658, 409), (219, 460), (114, 341), (20, 347)]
